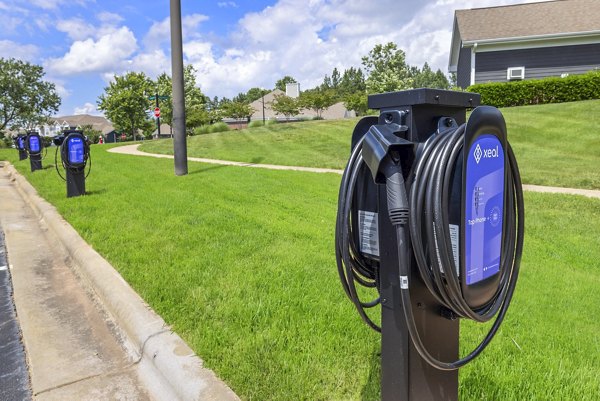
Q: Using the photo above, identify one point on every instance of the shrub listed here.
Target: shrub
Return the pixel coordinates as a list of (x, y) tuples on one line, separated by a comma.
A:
[(256, 123), (218, 127), (271, 122), (209, 129), (539, 91)]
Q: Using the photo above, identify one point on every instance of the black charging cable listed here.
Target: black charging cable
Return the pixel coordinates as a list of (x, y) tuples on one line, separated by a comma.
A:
[(87, 158), (428, 224), (353, 267), (421, 220)]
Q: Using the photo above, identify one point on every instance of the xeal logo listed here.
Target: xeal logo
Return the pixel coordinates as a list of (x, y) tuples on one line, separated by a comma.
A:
[(485, 153)]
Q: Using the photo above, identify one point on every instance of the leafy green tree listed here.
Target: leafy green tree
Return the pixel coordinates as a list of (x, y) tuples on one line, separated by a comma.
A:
[(387, 69), (335, 79), (237, 110), (353, 81), (286, 106), (255, 94), (317, 100), (356, 101), (195, 100), (280, 84), (25, 98), (240, 98), (125, 102), (426, 78)]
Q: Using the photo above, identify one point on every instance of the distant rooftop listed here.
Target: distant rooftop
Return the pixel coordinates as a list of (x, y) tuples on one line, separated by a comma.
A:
[(531, 19)]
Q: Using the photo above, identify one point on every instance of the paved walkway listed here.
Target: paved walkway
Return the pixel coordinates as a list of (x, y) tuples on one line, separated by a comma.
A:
[(74, 351), (133, 150)]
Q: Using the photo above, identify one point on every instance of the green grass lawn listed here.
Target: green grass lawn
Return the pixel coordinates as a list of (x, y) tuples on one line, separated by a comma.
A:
[(241, 263), (555, 144)]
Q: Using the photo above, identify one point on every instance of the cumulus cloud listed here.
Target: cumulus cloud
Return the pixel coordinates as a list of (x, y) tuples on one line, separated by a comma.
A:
[(87, 108), (108, 52), (308, 39), (10, 49)]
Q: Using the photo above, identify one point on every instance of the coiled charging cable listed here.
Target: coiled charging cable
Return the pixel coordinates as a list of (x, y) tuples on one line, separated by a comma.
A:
[(423, 217)]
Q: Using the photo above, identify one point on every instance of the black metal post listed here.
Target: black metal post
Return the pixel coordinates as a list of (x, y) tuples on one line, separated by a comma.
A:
[(404, 374), (157, 118), (75, 183), (35, 160), (179, 136), (263, 107)]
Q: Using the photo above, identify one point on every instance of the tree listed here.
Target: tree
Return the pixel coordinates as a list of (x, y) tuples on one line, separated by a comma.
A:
[(426, 78), (25, 98), (195, 101), (335, 79), (255, 94), (387, 69), (280, 84), (353, 81), (317, 100), (238, 110), (356, 101), (125, 102), (285, 105)]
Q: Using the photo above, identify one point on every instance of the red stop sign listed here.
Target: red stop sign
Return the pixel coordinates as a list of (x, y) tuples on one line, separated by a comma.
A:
[(156, 112)]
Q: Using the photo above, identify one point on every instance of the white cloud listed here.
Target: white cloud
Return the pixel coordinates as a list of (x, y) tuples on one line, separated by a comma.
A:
[(54, 4), (308, 39), (10, 49), (159, 33), (87, 108), (107, 53), (76, 28), (225, 4)]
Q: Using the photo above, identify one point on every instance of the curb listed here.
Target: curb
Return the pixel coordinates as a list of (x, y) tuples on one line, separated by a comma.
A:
[(168, 366)]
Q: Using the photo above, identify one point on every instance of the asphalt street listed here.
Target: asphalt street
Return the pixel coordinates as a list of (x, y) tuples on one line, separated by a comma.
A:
[(14, 375)]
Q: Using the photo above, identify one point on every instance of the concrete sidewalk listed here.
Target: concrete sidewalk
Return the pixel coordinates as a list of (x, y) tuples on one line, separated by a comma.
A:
[(133, 150), (86, 334)]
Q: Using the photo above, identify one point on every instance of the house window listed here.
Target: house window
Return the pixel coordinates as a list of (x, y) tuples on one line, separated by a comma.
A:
[(515, 73)]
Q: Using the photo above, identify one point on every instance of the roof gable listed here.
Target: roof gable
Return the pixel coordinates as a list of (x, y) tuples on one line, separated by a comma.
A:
[(531, 19)]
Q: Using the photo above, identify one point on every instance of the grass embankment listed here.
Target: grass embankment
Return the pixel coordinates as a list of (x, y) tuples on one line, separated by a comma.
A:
[(240, 262), (555, 144)]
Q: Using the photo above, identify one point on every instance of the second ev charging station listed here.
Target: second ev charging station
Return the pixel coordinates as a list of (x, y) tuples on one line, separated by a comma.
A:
[(34, 147), (75, 155), (430, 215), (20, 145)]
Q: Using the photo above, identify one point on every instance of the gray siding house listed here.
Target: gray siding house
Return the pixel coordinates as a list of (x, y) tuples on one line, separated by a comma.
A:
[(524, 41)]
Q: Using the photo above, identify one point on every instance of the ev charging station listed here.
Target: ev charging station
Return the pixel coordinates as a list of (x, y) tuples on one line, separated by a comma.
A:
[(34, 146), (20, 145), (430, 215), (75, 155)]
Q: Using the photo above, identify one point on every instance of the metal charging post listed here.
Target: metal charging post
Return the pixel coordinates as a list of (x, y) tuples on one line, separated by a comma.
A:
[(404, 374), (34, 145)]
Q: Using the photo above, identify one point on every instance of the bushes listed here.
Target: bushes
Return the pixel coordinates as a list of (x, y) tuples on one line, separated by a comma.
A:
[(539, 91), (209, 129), (259, 123)]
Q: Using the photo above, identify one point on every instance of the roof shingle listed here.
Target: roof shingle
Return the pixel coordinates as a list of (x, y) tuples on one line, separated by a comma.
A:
[(532, 19)]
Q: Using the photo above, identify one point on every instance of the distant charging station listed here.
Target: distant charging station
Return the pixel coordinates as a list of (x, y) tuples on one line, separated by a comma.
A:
[(75, 156), (34, 147), (20, 146), (430, 216)]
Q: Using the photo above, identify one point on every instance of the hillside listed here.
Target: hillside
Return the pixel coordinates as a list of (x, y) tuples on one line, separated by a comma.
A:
[(555, 144)]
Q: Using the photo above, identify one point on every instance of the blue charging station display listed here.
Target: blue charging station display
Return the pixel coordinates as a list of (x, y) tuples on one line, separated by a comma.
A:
[(34, 144), (20, 143), (76, 150), (484, 208)]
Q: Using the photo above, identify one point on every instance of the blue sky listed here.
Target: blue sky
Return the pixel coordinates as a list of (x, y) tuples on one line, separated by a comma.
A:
[(233, 44)]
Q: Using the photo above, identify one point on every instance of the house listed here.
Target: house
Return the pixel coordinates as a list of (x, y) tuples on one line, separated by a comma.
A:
[(262, 107), (165, 132), (56, 125), (524, 41)]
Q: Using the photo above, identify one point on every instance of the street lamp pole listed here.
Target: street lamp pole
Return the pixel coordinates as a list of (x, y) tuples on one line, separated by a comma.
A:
[(263, 104), (179, 135)]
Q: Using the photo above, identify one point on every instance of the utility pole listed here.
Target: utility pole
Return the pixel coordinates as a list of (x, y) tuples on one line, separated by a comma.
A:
[(263, 104), (179, 135)]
